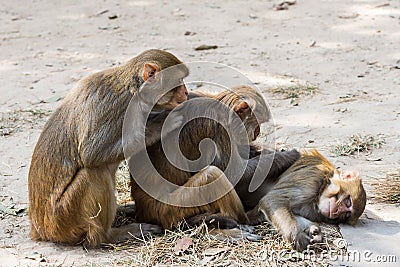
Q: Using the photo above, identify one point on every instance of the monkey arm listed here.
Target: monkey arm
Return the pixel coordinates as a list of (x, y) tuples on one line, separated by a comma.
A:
[(195, 94), (275, 208), (94, 153), (276, 162), (188, 196), (153, 127), (156, 129), (297, 230)]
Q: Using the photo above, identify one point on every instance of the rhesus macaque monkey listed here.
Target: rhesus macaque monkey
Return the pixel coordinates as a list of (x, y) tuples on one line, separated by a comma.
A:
[(245, 102), (72, 174), (311, 190)]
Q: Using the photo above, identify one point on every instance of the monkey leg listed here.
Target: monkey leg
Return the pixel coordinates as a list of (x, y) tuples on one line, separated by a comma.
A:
[(85, 211), (215, 220), (81, 209), (275, 163), (100, 231), (228, 205), (127, 209)]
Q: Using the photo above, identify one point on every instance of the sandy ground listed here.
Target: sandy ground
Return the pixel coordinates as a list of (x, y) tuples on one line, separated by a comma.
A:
[(349, 49)]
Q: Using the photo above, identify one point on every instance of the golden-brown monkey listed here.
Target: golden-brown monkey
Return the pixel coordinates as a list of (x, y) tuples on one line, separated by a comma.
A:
[(168, 205), (71, 177), (312, 190)]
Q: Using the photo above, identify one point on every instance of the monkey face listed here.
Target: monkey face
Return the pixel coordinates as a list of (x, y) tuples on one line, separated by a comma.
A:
[(249, 105), (158, 80), (173, 97), (178, 95), (344, 199), (249, 120)]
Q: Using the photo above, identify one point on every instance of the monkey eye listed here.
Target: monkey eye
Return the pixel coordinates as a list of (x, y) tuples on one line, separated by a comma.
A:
[(347, 202)]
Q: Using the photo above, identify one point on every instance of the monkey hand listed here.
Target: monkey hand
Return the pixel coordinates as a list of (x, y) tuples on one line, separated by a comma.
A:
[(159, 127), (248, 233), (311, 235)]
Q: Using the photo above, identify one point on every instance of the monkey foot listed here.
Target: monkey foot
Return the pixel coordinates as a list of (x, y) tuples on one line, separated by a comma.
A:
[(146, 229), (235, 234)]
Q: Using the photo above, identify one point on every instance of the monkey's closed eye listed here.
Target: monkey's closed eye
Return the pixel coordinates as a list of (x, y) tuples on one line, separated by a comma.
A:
[(347, 202)]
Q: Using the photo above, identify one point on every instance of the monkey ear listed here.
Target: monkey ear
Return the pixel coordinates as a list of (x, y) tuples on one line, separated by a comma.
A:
[(149, 70), (349, 175), (243, 109)]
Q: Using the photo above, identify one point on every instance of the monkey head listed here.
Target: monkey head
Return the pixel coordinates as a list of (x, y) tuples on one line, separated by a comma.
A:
[(344, 198), (167, 72), (250, 106)]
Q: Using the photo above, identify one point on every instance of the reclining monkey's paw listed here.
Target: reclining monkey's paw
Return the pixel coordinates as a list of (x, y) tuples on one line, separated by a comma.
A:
[(309, 236), (314, 232)]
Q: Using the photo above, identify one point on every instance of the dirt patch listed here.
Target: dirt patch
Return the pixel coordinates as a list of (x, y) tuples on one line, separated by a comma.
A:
[(357, 144), (19, 120), (295, 92)]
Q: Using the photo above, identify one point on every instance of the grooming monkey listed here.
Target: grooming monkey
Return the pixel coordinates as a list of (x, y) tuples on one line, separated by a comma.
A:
[(312, 190), (169, 205), (72, 174)]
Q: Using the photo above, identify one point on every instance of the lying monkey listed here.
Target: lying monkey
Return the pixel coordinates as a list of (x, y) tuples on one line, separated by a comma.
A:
[(312, 190)]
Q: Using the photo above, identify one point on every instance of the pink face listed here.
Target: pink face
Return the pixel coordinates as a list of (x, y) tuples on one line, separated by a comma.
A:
[(332, 208), (336, 203), (180, 95)]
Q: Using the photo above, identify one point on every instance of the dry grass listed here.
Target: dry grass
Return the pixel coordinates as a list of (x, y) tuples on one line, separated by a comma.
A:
[(123, 183), (200, 246), (12, 122), (205, 248), (387, 189), (358, 143), (295, 91)]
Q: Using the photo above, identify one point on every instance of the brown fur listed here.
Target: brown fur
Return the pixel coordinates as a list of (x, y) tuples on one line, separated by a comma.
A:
[(71, 177), (292, 202), (153, 211)]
